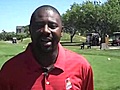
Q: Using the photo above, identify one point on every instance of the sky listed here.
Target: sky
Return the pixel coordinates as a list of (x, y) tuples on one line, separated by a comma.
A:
[(18, 12)]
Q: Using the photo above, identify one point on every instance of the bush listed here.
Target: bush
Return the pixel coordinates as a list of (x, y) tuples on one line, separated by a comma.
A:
[(6, 36), (21, 36)]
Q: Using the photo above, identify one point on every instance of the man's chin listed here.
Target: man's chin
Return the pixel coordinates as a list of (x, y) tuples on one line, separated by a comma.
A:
[(45, 49)]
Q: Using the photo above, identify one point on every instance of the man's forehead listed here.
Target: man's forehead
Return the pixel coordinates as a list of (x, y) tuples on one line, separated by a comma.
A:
[(46, 12)]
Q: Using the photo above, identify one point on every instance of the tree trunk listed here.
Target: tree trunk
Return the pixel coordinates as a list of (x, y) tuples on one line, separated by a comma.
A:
[(71, 38)]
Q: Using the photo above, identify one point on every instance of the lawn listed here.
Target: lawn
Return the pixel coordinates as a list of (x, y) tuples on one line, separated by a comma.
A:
[(8, 50), (106, 71)]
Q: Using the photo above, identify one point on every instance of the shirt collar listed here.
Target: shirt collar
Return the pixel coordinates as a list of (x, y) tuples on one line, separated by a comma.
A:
[(60, 62), (33, 65)]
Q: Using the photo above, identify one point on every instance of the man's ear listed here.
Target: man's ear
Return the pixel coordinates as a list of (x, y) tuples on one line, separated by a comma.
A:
[(29, 29), (62, 31)]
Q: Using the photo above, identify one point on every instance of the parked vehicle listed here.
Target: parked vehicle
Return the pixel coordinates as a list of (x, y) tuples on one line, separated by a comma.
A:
[(93, 39), (116, 39), (14, 40)]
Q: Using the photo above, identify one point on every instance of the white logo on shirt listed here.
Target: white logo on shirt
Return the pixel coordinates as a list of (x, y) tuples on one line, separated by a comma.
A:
[(68, 84)]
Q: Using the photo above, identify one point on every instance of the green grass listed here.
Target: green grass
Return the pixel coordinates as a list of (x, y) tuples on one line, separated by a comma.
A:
[(8, 50), (76, 38), (106, 72)]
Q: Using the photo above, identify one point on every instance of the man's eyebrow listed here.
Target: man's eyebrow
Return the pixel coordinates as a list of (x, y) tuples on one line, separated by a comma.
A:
[(39, 22)]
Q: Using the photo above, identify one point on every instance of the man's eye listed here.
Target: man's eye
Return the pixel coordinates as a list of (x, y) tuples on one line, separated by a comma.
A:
[(52, 26), (39, 25)]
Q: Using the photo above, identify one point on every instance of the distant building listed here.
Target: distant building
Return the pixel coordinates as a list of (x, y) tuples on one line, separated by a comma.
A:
[(20, 29)]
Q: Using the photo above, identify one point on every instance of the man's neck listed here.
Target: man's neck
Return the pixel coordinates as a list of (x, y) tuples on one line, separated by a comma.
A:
[(46, 59)]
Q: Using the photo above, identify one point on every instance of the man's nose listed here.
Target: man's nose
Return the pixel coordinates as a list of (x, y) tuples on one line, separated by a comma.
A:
[(46, 29)]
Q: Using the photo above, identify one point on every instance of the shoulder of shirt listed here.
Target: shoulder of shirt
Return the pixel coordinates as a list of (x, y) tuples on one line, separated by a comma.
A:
[(14, 61)]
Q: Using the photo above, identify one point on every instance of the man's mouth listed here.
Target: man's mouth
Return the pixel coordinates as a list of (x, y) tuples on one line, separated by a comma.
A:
[(46, 41)]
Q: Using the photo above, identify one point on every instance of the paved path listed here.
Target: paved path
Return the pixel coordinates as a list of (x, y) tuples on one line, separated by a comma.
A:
[(114, 47), (110, 47)]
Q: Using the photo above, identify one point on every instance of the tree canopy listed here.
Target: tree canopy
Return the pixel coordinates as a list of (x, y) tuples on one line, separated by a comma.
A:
[(103, 18)]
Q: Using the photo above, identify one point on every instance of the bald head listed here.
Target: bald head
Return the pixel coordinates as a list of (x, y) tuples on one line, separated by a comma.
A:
[(44, 8)]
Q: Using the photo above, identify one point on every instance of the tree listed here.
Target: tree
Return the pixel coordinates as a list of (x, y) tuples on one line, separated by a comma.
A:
[(71, 20), (113, 8), (103, 18), (7, 35), (27, 30)]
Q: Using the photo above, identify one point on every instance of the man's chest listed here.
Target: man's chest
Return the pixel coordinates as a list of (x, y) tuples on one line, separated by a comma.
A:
[(61, 81)]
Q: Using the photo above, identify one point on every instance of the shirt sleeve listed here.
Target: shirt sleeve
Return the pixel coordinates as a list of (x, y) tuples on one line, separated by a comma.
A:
[(88, 79)]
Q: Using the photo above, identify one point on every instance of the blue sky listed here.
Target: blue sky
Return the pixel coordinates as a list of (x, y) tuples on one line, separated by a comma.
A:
[(17, 12)]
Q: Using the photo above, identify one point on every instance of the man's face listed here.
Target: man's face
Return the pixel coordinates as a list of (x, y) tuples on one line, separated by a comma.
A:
[(46, 30)]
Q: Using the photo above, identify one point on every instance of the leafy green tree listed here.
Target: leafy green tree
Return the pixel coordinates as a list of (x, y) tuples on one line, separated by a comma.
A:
[(27, 30), (113, 13), (103, 18), (71, 20), (7, 35)]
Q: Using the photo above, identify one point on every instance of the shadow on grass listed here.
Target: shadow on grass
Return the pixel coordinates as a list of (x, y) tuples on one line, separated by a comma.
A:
[(71, 44), (10, 55)]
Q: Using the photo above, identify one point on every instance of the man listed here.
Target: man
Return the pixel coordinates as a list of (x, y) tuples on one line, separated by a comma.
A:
[(45, 64)]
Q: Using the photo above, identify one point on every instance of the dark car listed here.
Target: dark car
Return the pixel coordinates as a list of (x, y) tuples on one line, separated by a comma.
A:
[(116, 38), (116, 42), (93, 38), (14, 40)]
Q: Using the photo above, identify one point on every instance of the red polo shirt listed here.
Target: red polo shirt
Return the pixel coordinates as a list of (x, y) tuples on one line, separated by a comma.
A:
[(71, 72)]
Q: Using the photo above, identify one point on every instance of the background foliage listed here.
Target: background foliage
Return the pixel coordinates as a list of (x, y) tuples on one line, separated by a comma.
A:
[(103, 18)]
